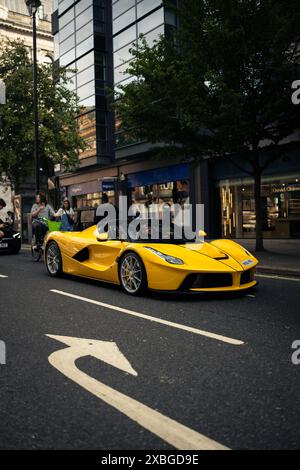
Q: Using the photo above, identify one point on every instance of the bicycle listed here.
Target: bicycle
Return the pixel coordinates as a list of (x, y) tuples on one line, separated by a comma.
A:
[(37, 249)]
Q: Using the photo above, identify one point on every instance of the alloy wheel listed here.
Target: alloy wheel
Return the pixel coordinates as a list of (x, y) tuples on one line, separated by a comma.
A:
[(53, 259), (131, 273)]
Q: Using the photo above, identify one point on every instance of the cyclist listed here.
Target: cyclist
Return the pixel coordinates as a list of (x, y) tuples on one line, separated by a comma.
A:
[(40, 209)]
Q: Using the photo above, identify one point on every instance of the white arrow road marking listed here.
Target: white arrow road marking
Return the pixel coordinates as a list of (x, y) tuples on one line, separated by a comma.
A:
[(2, 276), (176, 434), (179, 326)]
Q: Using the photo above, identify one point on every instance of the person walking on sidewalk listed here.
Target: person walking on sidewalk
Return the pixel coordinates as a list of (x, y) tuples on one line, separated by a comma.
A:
[(67, 216)]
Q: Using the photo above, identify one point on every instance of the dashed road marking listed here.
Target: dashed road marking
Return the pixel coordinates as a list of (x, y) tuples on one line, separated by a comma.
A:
[(179, 326)]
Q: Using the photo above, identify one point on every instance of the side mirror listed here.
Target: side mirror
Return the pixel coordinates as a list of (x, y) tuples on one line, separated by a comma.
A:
[(102, 237)]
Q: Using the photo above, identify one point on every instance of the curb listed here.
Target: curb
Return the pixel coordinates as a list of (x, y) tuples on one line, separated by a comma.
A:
[(278, 271)]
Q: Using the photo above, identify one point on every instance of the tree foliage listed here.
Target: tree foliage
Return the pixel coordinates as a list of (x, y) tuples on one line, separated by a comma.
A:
[(59, 140), (221, 86)]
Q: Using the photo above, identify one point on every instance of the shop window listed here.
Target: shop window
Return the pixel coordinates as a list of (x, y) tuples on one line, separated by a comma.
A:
[(280, 207), (92, 200), (169, 193)]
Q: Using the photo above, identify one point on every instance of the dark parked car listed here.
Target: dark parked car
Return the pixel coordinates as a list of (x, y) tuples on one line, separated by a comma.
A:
[(11, 242)]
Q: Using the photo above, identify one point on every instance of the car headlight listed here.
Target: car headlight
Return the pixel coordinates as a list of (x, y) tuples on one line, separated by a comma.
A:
[(169, 259), (17, 235)]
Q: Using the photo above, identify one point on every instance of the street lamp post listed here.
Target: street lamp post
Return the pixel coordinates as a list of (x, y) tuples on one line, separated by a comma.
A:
[(33, 6)]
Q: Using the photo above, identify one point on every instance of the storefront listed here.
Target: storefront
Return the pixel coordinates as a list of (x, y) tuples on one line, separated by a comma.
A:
[(89, 194), (167, 185), (280, 200), (155, 185)]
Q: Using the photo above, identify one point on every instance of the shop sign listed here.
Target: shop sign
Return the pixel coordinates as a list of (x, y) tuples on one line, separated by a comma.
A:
[(108, 184), (286, 189)]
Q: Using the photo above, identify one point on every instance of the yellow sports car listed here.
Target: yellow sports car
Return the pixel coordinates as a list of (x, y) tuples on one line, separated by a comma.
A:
[(164, 265)]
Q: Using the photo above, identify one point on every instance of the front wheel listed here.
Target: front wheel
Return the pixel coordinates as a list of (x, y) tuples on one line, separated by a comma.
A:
[(132, 274), (53, 259)]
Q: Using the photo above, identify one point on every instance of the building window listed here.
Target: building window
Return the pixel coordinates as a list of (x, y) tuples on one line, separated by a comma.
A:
[(124, 20), (171, 192), (280, 206), (127, 37), (146, 6), (84, 18), (122, 5), (151, 22)]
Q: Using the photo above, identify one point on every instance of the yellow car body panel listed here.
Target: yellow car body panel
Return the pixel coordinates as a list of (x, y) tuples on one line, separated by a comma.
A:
[(84, 255)]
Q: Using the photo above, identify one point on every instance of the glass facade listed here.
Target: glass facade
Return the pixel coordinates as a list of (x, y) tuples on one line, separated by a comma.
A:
[(131, 18), (83, 45), (280, 203)]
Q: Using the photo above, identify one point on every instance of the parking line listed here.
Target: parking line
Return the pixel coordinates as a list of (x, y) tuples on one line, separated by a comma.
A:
[(2, 276), (284, 278), (179, 326)]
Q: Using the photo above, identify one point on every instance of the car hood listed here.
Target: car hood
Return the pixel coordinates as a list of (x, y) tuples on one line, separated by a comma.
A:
[(208, 256)]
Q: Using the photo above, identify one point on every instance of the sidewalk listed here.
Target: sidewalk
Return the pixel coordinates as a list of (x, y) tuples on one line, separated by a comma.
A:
[(282, 256)]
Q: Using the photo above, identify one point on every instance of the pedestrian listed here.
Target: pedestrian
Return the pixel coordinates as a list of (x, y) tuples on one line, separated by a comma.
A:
[(3, 225), (40, 209), (67, 216)]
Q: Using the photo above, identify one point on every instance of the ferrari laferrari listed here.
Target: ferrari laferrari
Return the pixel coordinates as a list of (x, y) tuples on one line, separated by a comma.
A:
[(160, 265)]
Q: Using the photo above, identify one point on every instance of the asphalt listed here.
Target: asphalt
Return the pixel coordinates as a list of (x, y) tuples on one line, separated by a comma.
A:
[(245, 397)]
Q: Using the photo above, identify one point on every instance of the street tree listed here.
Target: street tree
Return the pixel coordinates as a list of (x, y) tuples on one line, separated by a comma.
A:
[(59, 139), (220, 86)]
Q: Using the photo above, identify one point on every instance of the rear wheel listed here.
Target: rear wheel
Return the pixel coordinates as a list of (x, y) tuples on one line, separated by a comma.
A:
[(132, 274), (36, 250), (53, 259)]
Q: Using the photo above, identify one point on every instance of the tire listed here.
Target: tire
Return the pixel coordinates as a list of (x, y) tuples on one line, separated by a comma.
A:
[(132, 274), (36, 253), (53, 259)]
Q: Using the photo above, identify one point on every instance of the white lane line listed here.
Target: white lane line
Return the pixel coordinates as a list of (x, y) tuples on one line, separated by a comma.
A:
[(2, 276), (284, 278), (179, 326), (250, 295)]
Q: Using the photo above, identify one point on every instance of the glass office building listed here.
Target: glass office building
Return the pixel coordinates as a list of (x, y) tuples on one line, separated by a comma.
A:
[(83, 44), (131, 18)]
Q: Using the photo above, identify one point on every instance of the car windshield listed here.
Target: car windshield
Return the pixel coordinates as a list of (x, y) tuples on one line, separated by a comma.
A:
[(143, 230)]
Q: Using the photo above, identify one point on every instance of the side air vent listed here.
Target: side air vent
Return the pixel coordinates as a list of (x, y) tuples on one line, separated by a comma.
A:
[(82, 255)]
